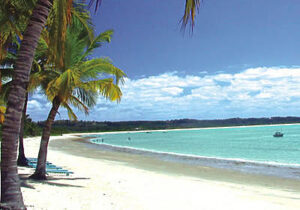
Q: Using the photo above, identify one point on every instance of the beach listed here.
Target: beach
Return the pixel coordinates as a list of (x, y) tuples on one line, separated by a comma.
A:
[(115, 180)]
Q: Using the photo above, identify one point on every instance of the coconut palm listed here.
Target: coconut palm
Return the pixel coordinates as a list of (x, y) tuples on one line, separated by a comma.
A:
[(10, 188), (11, 32), (76, 84), (45, 50), (10, 185)]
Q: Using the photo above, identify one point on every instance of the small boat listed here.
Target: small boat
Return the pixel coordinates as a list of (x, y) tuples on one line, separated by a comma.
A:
[(278, 134)]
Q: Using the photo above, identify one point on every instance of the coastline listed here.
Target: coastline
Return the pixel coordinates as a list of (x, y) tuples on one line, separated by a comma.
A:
[(270, 168), (174, 167), (290, 171), (114, 180), (182, 129)]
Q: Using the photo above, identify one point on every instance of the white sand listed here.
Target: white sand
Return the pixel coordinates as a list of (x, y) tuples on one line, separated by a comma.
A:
[(101, 184)]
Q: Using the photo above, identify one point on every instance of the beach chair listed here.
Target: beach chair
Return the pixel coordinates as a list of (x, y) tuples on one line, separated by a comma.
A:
[(34, 160), (33, 165), (59, 171), (50, 168)]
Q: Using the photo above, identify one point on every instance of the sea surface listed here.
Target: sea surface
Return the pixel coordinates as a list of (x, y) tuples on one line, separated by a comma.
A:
[(250, 149)]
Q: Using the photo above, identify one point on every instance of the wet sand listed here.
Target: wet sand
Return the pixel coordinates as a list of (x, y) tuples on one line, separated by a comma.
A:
[(81, 146), (105, 179)]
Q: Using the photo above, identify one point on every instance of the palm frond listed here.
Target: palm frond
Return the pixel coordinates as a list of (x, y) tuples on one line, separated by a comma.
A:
[(102, 38), (97, 5), (191, 7), (5, 88), (58, 21), (98, 67), (78, 104), (14, 15), (107, 89), (71, 114), (88, 96), (2, 114), (6, 72), (63, 85), (42, 79), (83, 18)]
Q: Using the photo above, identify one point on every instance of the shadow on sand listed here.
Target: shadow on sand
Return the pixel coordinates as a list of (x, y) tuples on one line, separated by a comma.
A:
[(26, 182)]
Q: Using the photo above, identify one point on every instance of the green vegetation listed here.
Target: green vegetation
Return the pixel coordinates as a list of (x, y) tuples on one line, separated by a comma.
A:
[(76, 81), (60, 127), (66, 126), (26, 21)]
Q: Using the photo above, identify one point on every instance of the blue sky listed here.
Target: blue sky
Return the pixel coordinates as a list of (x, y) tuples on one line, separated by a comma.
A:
[(241, 61)]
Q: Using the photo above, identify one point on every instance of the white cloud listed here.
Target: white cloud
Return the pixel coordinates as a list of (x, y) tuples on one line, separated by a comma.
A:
[(254, 92), (172, 90), (34, 105)]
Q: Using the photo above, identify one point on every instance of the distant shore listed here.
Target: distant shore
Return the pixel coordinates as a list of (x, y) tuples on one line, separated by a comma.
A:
[(179, 129), (114, 180)]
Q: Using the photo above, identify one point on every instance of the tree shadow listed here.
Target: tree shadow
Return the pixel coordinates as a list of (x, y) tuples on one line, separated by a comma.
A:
[(58, 184), (50, 181), (67, 178), (26, 185)]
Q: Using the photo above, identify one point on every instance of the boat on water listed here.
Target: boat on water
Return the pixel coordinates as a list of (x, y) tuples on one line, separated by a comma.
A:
[(278, 134)]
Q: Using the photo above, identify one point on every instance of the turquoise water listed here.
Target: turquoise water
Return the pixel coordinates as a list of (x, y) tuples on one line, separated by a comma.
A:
[(253, 144)]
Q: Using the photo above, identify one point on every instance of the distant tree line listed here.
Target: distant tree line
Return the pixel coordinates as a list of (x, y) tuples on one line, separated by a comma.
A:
[(60, 127), (67, 126)]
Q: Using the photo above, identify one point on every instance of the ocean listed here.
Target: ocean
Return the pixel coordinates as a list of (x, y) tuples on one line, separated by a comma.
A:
[(251, 149)]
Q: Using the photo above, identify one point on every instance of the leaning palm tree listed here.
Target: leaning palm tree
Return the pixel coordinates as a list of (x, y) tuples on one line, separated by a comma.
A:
[(10, 187), (14, 16), (76, 84), (49, 48)]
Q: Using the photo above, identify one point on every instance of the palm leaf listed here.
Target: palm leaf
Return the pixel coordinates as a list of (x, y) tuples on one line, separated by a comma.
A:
[(88, 96), (98, 42), (98, 67), (191, 7), (2, 114), (106, 88), (78, 104), (98, 3), (71, 114)]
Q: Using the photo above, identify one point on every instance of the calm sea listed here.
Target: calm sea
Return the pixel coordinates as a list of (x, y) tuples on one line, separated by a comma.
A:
[(251, 149)]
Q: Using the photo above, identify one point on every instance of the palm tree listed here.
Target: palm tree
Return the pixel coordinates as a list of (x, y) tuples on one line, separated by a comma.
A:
[(76, 84), (10, 185), (46, 47), (10, 188)]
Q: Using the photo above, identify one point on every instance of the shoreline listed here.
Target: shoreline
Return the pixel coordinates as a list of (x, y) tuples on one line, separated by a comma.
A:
[(181, 129), (240, 165), (283, 170), (112, 180), (157, 164)]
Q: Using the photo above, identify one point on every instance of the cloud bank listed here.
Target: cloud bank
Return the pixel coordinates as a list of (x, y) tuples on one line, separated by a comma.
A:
[(254, 92)]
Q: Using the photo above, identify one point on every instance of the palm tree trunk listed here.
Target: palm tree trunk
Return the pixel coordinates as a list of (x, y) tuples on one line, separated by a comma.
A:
[(22, 160), (40, 171), (10, 184)]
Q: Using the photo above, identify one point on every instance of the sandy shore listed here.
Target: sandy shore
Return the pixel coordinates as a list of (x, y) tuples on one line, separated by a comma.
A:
[(111, 180)]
